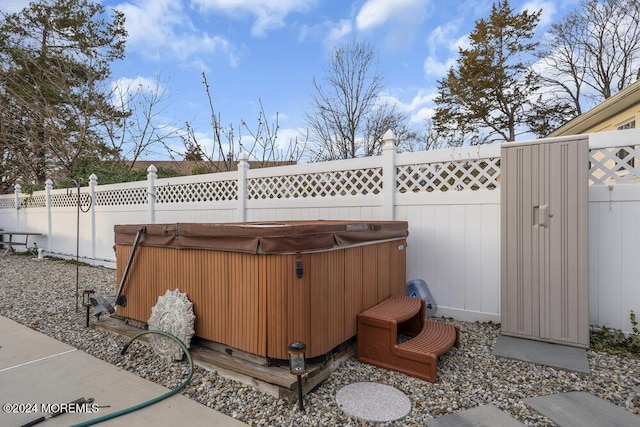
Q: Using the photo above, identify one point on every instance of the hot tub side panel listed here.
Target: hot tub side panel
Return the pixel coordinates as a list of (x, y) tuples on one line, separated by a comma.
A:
[(152, 273), (226, 289), (321, 308), (374, 273), (255, 302)]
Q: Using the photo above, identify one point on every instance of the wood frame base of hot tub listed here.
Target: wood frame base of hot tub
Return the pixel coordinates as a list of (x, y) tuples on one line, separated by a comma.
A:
[(275, 381)]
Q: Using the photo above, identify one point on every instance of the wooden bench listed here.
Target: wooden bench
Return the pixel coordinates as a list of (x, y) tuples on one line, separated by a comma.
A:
[(380, 326)]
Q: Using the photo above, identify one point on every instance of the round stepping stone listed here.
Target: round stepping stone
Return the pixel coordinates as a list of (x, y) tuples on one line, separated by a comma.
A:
[(373, 402)]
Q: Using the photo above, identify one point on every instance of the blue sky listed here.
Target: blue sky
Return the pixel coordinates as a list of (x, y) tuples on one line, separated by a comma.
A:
[(272, 49)]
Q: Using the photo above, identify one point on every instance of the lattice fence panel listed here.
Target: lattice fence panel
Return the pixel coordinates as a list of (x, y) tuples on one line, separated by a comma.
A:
[(614, 165), (476, 174), (7, 203), (124, 197), (37, 201), (70, 200), (213, 191), (324, 184)]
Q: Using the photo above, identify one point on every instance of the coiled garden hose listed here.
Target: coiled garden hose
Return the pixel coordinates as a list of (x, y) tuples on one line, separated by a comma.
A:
[(151, 401)]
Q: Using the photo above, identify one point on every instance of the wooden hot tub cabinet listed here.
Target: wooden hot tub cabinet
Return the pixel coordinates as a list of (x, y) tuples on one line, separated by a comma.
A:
[(242, 281)]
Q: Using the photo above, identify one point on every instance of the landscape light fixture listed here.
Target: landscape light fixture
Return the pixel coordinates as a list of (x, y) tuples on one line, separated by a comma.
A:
[(86, 301), (298, 366)]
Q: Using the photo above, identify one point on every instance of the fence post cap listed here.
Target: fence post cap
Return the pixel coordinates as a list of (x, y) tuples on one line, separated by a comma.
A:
[(389, 135)]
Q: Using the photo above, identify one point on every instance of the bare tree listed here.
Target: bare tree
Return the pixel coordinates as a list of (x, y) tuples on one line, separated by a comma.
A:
[(347, 118), (430, 140), (263, 146), (386, 116), (145, 126), (593, 52), (564, 62), (260, 143)]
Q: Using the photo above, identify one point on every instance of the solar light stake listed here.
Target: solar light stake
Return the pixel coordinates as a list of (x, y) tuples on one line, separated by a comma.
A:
[(298, 366), (86, 301)]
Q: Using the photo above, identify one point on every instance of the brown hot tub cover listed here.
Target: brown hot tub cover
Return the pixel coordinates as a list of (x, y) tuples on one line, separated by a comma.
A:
[(263, 237)]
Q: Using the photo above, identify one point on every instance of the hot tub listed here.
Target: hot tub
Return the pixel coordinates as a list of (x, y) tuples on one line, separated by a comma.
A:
[(258, 286)]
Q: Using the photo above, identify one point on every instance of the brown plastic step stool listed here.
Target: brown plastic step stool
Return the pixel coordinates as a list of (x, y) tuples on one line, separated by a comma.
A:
[(380, 325)]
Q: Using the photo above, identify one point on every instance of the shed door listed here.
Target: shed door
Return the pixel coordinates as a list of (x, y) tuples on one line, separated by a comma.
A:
[(544, 216)]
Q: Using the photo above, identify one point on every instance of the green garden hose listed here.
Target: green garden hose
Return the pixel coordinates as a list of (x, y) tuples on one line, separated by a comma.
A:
[(154, 400)]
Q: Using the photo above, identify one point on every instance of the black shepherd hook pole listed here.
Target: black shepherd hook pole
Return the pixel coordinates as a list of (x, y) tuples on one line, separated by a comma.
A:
[(79, 208), (77, 238)]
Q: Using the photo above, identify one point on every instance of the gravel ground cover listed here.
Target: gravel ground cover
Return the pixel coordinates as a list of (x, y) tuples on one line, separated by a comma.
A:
[(41, 295)]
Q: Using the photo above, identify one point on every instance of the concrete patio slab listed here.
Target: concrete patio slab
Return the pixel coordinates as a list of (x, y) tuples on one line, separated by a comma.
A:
[(542, 353), (38, 371), (481, 416), (579, 409), (22, 345)]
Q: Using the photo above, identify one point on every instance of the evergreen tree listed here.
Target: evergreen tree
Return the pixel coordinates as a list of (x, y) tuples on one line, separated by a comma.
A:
[(492, 94), (55, 58)]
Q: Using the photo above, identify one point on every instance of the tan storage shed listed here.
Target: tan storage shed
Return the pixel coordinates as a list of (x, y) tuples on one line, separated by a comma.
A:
[(242, 278), (544, 241)]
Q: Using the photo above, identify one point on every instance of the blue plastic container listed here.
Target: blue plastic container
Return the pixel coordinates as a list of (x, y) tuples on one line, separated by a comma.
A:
[(418, 288)]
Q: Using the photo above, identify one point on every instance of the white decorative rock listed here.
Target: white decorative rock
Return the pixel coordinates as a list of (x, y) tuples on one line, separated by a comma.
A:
[(173, 313)]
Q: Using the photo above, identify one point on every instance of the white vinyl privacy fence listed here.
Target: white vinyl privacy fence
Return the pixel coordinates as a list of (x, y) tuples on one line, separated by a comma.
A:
[(450, 199)]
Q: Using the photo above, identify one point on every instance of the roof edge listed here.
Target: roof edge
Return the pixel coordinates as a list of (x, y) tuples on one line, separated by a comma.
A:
[(626, 98)]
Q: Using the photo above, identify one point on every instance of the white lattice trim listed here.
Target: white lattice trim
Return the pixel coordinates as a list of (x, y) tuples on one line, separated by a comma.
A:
[(613, 165), (64, 200), (319, 184), (122, 197), (35, 201), (8, 203), (474, 174), (210, 191)]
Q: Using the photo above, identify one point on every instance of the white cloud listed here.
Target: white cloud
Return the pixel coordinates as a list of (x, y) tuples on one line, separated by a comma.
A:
[(434, 67), (329, 33), (419, 108), (268, 14), (287, 137), (375, 13), (139, 83), (420, 116), (422, 98), (445, 36), (337, 32), (123, 90), (200, 64), (161, 27), (443, 44)]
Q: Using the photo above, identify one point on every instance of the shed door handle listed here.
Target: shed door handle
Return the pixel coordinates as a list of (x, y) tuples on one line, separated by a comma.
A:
[(541, 215)]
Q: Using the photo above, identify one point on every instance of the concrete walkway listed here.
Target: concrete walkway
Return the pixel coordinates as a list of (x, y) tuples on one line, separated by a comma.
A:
[(572, 409), (40, 373), (578, 409), (480, 416)]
